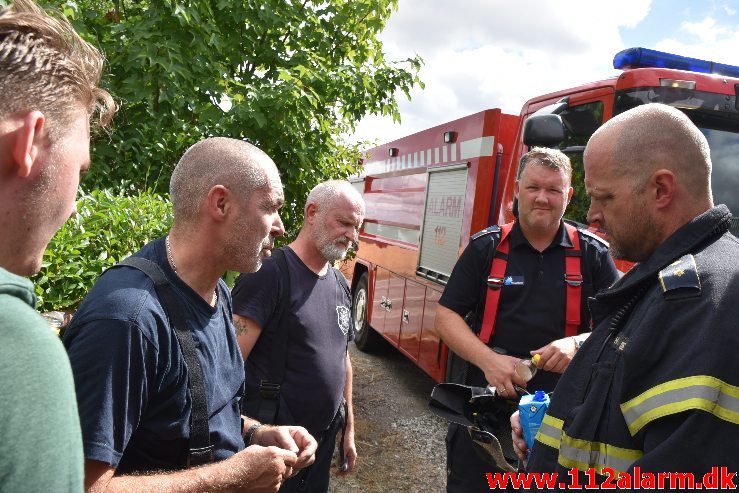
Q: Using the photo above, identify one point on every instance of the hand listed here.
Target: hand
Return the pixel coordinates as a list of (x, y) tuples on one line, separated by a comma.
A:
[(519, 444), (293, 438), (500, 372), (556, 355), (350, 453), (262, 469)]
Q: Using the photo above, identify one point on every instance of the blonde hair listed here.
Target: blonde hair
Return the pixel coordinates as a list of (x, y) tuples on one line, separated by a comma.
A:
[(46, 66), (544, 156)]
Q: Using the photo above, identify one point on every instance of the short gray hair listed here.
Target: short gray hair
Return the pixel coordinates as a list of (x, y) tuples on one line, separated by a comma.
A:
[(325, 194), (544, 156), (235, 164)]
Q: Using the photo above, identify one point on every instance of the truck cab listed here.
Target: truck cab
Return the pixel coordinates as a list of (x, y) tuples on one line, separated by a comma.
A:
[(427, 193)]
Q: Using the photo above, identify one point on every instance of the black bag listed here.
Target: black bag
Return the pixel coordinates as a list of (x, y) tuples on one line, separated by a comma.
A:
[(485, 415)]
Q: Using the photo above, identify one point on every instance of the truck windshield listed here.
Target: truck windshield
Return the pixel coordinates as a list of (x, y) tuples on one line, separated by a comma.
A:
[(725, 175)]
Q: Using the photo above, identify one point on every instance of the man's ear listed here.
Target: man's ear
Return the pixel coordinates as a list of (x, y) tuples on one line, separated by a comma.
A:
[(27, 142), (217, 202), (570, 191), (311, 211), (664, 184)]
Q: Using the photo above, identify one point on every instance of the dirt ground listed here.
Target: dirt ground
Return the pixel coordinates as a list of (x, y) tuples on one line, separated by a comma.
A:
[(400, 444)]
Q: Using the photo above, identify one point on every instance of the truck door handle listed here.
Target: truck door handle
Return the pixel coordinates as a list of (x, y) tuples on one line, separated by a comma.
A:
[(406, 317)]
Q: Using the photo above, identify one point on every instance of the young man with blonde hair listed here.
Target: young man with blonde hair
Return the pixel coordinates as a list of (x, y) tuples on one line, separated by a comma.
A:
[(48, 96)]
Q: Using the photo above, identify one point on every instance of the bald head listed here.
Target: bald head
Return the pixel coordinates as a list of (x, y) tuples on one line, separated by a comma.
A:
[(652, 137), (235, 164), (325, 195), (647, 172)]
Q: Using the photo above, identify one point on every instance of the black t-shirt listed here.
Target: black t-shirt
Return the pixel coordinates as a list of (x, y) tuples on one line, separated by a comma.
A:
[(320, 327), (131, 378), (531, 310)]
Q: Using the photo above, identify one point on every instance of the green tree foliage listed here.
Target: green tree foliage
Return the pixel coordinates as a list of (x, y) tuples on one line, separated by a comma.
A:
[(290, 76), (578, 208), (107, 228)]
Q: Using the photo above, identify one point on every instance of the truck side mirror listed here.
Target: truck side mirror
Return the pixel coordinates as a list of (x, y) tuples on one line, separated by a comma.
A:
[(543, 130)]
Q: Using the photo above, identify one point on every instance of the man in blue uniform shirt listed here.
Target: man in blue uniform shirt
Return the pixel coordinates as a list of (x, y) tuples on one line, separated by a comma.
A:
[(317, 324), (157, 366), (550, 270), (654, 389)]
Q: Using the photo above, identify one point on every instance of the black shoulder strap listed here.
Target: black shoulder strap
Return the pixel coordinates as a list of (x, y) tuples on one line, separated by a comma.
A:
[(201, 451), (345, 286), (269, 388), (342, 280)]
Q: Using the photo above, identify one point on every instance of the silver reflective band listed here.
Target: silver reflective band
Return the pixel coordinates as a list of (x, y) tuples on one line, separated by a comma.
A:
[(700, 392)]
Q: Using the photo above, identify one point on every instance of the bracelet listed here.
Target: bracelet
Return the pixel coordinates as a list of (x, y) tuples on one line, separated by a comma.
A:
[(250, 433)]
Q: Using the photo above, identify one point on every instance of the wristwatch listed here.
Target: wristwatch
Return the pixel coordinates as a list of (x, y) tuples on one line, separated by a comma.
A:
[(250, 433)]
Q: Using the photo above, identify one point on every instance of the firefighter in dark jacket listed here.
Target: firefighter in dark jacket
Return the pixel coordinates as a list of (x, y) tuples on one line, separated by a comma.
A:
[(527, 284), (656, 386)]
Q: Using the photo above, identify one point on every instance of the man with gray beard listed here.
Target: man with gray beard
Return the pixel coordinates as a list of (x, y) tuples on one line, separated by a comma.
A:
[(293, 323)]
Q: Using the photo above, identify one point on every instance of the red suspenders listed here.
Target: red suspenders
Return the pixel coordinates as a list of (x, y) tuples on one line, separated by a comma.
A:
[(496, 280)]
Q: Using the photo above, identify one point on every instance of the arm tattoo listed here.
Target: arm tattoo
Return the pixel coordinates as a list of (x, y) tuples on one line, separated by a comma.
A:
[(240, 328)]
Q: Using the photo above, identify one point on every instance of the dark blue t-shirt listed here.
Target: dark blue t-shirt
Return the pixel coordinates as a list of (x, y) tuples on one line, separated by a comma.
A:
[(130, 374), (320, 325)]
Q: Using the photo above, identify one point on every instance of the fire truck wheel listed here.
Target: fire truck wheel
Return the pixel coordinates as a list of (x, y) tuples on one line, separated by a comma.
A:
[(365, 337)]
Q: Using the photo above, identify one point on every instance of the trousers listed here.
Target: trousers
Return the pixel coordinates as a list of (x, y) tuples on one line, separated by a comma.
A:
[(315, 478)]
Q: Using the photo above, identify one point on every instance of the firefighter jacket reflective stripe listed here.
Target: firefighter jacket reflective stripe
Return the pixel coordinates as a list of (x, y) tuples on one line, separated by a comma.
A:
[(656, 385), (703, 392)]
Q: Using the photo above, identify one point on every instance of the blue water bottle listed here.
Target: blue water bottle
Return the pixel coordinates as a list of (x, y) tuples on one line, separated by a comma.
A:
[(531, 410)]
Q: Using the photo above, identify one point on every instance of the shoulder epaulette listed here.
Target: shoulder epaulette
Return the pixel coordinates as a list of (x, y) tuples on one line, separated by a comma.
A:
[(680, 279), (590, 234), (495, 229)]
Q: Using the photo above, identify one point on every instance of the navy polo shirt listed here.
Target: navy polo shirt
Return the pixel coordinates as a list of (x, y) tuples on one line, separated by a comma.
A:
[(531, 309), (131, 378)]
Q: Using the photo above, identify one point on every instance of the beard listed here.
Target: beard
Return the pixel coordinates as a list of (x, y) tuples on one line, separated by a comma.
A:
[(245, 248), (333, 252), (638, 240), (332, 249)]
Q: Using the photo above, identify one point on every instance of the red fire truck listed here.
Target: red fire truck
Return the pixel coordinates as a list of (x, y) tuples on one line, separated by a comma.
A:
[(427, 193)]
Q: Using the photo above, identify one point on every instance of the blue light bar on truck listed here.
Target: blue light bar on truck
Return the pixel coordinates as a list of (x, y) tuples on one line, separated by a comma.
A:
[(643, 57)]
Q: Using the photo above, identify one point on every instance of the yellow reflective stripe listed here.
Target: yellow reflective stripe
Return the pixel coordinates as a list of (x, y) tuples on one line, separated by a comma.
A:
[(583, 454), (550, 431), (700, 392), (553, 422)]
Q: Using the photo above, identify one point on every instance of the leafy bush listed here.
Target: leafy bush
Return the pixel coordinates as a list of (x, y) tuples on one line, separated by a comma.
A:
[(107, 228)]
